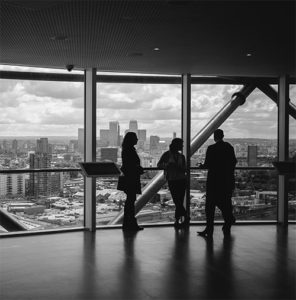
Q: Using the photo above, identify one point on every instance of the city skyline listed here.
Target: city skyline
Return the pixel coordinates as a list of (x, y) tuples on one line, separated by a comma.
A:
[(45, 108)]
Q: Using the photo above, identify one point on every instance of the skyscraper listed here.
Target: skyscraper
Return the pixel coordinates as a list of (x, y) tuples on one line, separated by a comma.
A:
[(133, 126), (154, 142), (14, 146), (41, 159), (81, 140), (142, 135), (114, 131)]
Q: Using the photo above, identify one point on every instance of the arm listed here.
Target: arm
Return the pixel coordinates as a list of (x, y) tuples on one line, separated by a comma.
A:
[(163, 161)]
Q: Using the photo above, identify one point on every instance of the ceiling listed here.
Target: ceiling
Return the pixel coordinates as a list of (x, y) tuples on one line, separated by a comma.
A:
[(197, 37)]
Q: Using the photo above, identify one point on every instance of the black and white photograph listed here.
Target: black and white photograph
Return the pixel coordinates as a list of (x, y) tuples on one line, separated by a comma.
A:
[(147, 149)]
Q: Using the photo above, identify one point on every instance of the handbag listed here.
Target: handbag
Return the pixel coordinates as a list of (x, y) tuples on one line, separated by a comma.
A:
[(121, 184)]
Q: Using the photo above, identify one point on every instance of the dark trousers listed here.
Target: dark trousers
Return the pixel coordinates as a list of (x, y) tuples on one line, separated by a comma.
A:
[(223, 202), (129, 219), (177, 189)]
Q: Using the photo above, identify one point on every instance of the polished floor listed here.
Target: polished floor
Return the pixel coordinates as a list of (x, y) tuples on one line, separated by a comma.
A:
[(257, 262)]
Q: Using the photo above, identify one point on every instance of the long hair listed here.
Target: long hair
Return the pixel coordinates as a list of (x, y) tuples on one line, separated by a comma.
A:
[(128, 140), (176, 144)]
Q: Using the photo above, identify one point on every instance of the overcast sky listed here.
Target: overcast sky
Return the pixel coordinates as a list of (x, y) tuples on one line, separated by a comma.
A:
[(43, 108)]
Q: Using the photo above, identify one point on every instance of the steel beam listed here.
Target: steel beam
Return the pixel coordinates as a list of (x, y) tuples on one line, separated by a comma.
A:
[(274, 96), (158, 181)]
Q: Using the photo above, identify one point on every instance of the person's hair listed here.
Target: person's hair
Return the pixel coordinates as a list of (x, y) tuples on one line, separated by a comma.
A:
[(128, 139), (175, 144), (218, 134)]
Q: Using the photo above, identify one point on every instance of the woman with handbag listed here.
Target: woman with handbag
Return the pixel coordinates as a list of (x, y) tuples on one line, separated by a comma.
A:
[(132, 171), (173, 164)]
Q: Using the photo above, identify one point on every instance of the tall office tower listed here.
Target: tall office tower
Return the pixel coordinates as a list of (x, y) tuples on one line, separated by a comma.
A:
[(154, 142), (81, 140), (104, 137), (142, 135), (252, 156), (133, 126), (14, 146), (42, 146), (39, 182), (174, 135), (12, 185), (114, 131), (109, 153)]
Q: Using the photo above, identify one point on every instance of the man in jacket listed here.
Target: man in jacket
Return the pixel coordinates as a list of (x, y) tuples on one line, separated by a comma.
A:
[(220, 161)]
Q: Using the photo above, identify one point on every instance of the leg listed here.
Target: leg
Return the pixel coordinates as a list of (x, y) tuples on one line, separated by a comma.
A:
[(177, 189), (210, 215), (129, 220), (226, 208)]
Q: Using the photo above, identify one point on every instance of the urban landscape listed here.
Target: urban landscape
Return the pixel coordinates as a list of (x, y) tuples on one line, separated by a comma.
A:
[(47, 200)]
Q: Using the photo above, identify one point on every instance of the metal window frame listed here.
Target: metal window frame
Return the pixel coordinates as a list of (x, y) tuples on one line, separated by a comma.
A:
[(90, 112)]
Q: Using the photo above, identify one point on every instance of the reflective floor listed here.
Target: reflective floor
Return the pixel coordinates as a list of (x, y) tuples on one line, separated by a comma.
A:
[(257, 262)]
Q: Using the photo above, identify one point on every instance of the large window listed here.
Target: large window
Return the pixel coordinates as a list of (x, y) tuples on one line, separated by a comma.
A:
[(252, 130), (153, 111), (41, 123)]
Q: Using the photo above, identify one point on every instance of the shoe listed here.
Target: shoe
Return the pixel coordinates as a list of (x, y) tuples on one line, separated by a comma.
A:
[(177, 224), (205, 233), (185, 223)]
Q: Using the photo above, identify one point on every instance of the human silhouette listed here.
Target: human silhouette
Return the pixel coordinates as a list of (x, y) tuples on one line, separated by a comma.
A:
[(220, 161), (132, 171), (173, 164)]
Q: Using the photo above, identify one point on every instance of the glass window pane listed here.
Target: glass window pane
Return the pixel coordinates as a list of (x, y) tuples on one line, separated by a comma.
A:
[(39, 129), (153, 111)]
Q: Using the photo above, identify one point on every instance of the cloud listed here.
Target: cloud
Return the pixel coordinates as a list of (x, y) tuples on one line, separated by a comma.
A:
[(33, 107)]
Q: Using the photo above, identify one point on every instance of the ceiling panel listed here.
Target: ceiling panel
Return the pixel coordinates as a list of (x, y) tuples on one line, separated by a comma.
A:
[(197, 37)]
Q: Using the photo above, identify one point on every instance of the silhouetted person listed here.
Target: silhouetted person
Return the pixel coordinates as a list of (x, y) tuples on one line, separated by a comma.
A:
[(220, 161), (173, 164), (132, 171)]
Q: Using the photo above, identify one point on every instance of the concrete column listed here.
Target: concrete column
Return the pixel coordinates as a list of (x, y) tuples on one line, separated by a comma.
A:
[(283, 147), (90, 146), (186, 129)]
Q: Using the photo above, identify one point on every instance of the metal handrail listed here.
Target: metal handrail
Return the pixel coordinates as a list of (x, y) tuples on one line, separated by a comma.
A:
[(20, 171)]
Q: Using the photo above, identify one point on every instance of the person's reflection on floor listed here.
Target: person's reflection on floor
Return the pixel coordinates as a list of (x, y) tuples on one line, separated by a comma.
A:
[(177, 274), (219, 279), (129, 273)]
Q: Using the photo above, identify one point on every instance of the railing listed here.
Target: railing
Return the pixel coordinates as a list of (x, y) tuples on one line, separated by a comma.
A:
[(252, 200)]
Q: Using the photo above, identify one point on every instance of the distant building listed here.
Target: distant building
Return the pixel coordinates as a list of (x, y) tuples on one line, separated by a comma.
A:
[(133, 126), (252, 156), (109, 153), (104, 137), (81, 140), (114, 131), (41, 159), (12, 184), (73, 145), (14, 146), (154, 142)]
